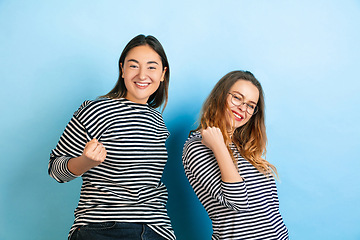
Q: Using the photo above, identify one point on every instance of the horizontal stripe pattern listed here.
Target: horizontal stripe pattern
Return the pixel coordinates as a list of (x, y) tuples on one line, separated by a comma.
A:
[(127, 186), (241, 210)]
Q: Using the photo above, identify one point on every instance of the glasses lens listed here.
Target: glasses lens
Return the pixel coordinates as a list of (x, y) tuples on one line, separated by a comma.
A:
[(238, 100), (252, 110)]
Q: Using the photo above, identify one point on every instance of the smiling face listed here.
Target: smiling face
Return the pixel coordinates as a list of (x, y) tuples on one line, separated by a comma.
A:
[(250, 95), (142, 72)]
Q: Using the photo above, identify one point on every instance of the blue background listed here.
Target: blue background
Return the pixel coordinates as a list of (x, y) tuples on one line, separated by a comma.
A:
[(56, 54)]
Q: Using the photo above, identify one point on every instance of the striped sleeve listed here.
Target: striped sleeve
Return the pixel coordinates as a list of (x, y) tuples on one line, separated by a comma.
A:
[(235, 195), (275, 195), (204, 175), (70, 145)]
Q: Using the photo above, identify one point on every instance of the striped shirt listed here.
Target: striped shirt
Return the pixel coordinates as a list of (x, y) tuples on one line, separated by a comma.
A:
[(127, 186), (240, 210)]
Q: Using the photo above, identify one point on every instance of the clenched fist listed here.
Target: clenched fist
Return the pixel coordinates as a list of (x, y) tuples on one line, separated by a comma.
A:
[(93, 154), (212, 137), (94, 151)]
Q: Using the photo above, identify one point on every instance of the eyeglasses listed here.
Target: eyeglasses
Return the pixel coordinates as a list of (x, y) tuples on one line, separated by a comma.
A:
[(238, 100)]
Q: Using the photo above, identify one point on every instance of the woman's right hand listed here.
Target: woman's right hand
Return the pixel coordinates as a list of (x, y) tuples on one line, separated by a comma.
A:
[(93, 154), (212, 137), (94, 151)]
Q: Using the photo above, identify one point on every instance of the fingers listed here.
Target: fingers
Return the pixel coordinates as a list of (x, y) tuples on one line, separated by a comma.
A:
[(211, 131), (211, 137), (102, 154), (99, 152), (94, 150)]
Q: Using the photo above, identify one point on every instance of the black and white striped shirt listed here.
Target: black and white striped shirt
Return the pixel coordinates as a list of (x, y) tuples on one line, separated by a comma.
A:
[(240, 210), (127, 186)]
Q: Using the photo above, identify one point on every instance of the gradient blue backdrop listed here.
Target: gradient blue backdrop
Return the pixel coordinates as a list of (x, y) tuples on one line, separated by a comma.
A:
[(56, 54)]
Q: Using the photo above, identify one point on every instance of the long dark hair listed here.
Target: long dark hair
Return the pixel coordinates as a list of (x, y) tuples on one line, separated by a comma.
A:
[(250, 138), (160, 96)]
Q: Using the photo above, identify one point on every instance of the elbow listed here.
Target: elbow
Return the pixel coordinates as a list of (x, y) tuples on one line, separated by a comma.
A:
[(234, 196), (239, 205), (57, 178)]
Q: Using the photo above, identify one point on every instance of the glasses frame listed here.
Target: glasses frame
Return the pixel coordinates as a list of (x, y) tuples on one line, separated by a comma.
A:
[(247, 107)]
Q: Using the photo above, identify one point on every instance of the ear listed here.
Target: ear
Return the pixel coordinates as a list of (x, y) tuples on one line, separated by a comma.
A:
[(163, 74), (122, 70)]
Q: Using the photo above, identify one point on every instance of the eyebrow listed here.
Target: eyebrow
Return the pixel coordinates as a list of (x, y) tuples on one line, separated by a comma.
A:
[(149, 62), (235, 92)]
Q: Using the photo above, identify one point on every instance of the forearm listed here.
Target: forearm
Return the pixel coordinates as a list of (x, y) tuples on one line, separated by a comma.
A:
[(229, 172), (80, 165), (202, 169)]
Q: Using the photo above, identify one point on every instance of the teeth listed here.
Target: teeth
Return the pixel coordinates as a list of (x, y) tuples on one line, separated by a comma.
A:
[(142, 84), (238, 116)]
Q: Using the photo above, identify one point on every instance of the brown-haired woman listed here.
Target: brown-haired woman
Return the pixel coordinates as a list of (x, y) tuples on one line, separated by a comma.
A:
[(116, 143), (223, 160)]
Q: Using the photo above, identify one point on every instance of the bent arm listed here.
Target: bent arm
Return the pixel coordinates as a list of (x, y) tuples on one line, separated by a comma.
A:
[(229, 173), (205, 176), (94, 153), (70, 146), (213, 139), (58, 168)]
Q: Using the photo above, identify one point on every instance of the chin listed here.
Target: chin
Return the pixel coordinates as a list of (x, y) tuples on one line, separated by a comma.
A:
[(240, 125)]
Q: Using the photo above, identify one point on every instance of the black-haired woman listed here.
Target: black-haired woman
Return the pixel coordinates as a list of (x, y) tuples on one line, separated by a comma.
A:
[(116, 143)]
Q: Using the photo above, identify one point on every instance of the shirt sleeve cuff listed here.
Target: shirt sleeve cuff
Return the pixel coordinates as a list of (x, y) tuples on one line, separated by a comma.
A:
[(235, 194), (60, 170)]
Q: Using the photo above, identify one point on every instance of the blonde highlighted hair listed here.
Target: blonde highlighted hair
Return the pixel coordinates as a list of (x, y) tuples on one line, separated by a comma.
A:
[(250, 139)]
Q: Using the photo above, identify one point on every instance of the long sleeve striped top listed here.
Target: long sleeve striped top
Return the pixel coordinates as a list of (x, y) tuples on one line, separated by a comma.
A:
[(127, 186), (241, 210)]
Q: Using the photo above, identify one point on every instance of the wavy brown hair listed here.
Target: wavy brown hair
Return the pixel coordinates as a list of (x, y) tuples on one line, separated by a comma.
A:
[(250, 139), (160, 96)]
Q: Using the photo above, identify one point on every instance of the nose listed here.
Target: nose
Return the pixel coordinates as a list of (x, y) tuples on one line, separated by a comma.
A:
[(142, 74), (242, 107)]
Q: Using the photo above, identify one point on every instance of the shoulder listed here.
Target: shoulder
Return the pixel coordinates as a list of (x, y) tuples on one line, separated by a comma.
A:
[(82, 107), (193, 145), (155, 113), (195, 137), (97, 105), (196, 154)]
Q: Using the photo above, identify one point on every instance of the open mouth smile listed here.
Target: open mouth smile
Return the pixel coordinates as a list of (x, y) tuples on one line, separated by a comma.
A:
[(142, 85), (238, 117)]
